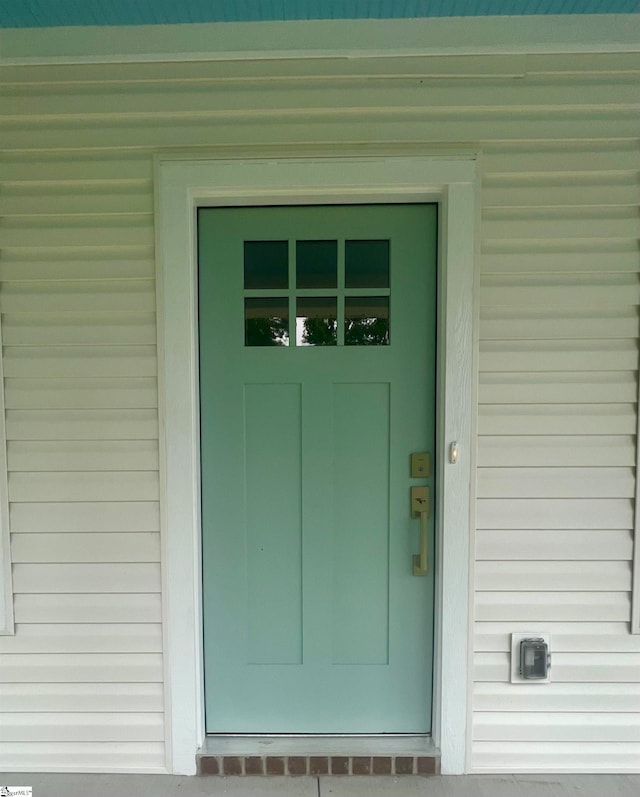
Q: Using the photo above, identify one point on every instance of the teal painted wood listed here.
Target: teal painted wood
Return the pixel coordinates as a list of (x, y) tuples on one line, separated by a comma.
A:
[(313, 620)]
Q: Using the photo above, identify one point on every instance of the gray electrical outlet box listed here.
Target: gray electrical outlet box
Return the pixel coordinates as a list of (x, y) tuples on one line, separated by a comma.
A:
[(530, 657), (535, 659)]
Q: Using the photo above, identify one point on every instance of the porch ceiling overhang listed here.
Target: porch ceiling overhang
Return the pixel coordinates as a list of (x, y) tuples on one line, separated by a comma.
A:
[(73, 13)]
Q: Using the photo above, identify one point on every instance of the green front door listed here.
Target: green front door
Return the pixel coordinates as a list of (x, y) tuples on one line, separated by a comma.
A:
[(317, 382)]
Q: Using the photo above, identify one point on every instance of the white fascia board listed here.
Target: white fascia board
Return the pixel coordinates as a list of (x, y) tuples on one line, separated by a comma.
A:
[(322, 38)]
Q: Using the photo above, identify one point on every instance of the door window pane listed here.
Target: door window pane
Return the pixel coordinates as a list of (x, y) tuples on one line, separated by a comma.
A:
[(266, 322), (366, 264), (366, 321), (317, 322), (266, 264), (316, 264)]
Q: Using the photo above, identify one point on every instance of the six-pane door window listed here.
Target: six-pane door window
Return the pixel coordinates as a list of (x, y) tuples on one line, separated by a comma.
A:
[(316, 293)]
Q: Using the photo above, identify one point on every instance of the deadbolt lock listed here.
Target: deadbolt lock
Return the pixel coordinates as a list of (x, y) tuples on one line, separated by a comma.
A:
[(420, 465)]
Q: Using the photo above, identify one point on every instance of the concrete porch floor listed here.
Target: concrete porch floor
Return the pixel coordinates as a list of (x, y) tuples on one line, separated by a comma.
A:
[(63, 785)]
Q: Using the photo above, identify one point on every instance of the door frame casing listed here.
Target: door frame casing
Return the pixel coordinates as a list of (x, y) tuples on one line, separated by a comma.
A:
[(182, 184)]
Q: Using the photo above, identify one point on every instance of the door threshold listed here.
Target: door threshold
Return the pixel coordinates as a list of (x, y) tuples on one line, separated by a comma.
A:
[(318, 755)]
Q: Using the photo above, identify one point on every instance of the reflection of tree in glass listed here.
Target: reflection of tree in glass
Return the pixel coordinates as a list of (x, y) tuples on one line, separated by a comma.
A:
[(357, 332), (272, 331), (366, 332), (320, 332)]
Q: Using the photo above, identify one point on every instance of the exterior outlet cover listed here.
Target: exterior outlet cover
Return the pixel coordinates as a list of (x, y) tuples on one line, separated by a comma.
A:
[(516, 678)]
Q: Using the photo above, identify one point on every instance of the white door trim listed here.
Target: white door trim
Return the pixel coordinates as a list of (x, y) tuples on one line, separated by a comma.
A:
[(181, 185)]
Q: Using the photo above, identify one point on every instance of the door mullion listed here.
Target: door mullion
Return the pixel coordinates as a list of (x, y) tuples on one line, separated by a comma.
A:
[(317, 517), (340, 292), (292, 293)]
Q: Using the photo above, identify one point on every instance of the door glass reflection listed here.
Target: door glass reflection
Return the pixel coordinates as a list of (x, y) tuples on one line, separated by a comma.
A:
[(366, 321), (266, 264), (366, 264), (317, 321), (266, 322), (316, 264)]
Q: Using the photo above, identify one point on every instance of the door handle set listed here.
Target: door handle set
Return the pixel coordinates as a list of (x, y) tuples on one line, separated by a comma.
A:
[(420, 507)]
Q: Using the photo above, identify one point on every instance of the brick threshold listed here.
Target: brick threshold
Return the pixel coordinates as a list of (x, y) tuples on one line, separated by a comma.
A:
[(322, 755)]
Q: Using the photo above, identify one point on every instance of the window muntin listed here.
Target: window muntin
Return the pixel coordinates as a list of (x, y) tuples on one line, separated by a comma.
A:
[(317, 292)]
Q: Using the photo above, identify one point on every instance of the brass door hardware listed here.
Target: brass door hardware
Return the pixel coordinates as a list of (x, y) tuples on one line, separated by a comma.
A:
[(420, 465), (420, 508)]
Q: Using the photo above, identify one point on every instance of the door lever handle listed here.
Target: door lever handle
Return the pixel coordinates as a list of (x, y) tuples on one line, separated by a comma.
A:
[(420, 508)]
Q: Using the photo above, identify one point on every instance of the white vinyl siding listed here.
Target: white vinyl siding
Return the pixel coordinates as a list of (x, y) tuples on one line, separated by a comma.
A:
[(81, 680), (557, 420), (6, 577)]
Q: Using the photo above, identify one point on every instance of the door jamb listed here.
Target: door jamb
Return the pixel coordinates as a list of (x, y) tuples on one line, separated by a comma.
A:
[(182, 184)]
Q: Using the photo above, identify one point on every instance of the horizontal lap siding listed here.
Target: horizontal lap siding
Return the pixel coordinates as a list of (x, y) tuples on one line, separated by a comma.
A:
[(556, 481), (81, 680)]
